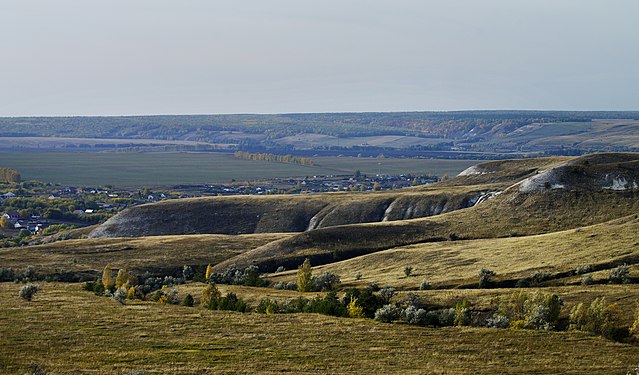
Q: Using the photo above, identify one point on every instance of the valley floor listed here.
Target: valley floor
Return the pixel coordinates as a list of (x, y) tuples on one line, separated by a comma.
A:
[(68, 330)]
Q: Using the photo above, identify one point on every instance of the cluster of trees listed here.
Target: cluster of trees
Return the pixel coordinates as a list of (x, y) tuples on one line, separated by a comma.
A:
[(290, 159), (355, 303), (249, 276), (9, 175), (306, 282)]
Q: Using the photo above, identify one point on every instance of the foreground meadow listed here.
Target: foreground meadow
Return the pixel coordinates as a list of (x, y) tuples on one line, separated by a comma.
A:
[(68, 330)]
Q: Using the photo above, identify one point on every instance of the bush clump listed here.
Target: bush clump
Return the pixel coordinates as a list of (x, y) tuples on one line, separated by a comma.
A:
[(425, 285), (7, 274), (619, 275), (531, 310), (325, 282), (28, 291), (285, 286), (188, 301), (408, 270), (387, 313), (120, 295), (599, 318), (587, 280), (387, 293), (420, 317), (187, 273), (249, 276), (267, 306), (484, 277)]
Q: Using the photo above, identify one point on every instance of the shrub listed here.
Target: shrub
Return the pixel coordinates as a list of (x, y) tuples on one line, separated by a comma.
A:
[(94, 286), (134, 292), (387, 313), (325, 282), (541, 276), (210, 297), (267, 306), (305, 277), (420, 317), (583, 269), (329, 305), (231, 302), (249, 276), (587, 280), (599, 318), (447, 317), (523, 283), (498, 321), (387, 293), (373, 287), (354, 309), (413, 300), (30, 274), (408, 270), (7, 274), (532, 310), (634, 329), (358, 275), (168, 296), (120, 295), (425, 285), (188, 301), (36, 369), (28, 291), (484, 277), (187, 273), (366, 299), (619, 275), (280, 269), (122, 278), (462, 313), (285, 286), (297, 305)]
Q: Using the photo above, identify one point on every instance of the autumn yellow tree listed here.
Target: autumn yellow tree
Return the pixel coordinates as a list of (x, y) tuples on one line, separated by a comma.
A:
[(305, 277), (122, 278), (209, 272), (107, 278), (210, 297), (354, 309)]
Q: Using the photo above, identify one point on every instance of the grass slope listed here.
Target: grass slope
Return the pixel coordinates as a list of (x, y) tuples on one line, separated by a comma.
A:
[(167, 254), (282, 213), (567, 194), (67, 330), (455, 263)]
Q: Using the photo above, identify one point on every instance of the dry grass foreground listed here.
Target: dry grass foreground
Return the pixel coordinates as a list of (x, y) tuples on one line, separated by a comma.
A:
[(159, 253), (69, 331)]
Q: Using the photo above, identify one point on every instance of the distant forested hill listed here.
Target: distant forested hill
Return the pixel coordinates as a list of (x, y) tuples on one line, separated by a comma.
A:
[(468, 130)]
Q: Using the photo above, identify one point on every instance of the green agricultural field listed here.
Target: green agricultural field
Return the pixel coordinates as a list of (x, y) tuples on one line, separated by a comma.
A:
[(160, 169)]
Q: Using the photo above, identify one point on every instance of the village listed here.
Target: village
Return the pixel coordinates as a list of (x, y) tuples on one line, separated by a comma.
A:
[(30, 209)]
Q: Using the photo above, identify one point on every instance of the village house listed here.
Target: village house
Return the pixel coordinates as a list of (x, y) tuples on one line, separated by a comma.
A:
[(12, 216)]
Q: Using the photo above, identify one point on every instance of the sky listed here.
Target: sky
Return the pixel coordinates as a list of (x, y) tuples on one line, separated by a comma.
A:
[(127, 57)]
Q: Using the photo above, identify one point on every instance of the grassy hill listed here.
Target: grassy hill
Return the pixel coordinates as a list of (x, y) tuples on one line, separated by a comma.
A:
[(457, 263), (86, 258), (281, 213), (517, 218), (67, 330)]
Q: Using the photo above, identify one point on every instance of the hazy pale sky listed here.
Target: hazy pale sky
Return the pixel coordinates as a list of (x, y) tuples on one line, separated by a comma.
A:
[(116, 57)]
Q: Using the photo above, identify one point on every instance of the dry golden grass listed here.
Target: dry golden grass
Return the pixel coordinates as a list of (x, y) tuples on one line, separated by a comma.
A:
[(70, 331), (137, 254), (454, 263)]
